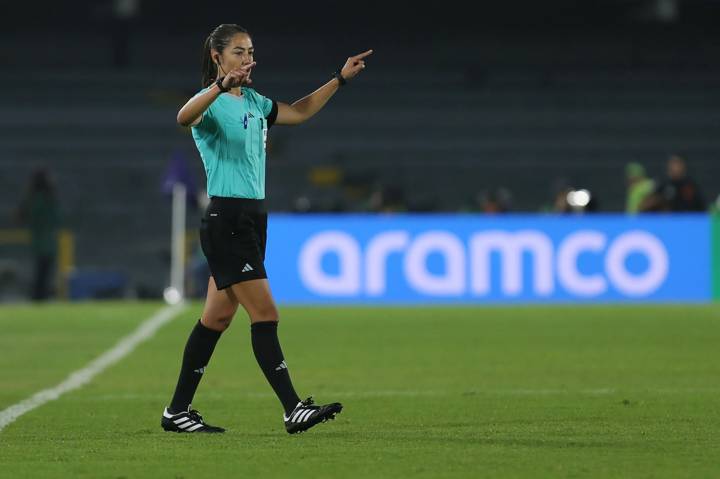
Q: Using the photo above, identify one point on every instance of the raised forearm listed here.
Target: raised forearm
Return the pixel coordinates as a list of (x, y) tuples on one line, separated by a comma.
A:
[(196, 106), (307, 106)]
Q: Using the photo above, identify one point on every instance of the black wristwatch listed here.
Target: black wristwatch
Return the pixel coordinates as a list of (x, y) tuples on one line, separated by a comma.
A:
[(219, 82), (340, 78)]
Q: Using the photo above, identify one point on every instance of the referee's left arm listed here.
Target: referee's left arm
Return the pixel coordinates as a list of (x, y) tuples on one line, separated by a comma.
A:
[(303, 109)]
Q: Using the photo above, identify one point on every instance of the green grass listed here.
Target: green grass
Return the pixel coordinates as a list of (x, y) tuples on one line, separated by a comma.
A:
[(530, 392)]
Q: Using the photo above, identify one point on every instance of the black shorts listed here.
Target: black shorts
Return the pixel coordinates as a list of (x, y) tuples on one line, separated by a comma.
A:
[(233, 235)]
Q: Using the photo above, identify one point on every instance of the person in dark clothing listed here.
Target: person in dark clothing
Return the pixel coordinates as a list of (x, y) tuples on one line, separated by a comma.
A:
[(677, 193), (40, 213)]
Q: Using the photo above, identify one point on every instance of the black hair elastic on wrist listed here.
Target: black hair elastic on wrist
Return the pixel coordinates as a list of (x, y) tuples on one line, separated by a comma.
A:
[(339, 77), (219, 83)]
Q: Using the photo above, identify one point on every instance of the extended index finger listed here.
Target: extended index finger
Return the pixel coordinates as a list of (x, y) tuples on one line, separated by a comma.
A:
[(363, 55)]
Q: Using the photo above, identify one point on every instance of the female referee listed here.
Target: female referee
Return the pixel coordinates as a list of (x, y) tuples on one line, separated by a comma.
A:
[(229, 124)]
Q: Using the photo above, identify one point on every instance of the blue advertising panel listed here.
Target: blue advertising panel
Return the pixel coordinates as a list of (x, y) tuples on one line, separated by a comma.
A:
[(464, 258)]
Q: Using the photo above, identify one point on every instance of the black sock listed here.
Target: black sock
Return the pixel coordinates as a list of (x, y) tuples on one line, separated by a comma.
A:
[(270, 358), (200, 346)]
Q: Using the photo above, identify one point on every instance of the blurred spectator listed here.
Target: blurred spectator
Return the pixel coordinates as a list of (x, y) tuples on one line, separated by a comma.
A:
[(494, 201), (559, 188), (639, 186), (715, 206), (677, 193), (387, 199), (178, 171), (560, 204), (39, 211)]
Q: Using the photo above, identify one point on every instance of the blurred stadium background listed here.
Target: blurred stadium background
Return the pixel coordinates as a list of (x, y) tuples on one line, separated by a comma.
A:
[(515, 153), (504, 108)]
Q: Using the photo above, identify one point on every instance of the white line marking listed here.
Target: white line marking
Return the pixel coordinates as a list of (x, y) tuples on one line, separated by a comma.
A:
[(83, 376)]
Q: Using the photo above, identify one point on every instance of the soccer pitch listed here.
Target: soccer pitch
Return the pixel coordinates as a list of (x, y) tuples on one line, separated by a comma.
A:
[(601, 391)]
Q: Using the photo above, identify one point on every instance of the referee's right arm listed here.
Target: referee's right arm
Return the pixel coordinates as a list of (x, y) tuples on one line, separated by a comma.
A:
[(191, 113)]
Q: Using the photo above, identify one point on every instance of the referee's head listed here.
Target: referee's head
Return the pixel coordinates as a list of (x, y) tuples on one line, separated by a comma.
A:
[(229, 46)]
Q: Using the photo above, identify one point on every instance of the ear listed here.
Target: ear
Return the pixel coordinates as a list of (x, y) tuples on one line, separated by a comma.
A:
[(215, 55)]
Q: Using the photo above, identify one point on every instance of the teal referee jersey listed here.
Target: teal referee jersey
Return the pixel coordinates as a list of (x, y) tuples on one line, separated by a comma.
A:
[(231, 139)]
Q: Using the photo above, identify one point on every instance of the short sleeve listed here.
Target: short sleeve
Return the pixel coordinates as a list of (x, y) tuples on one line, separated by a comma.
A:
[(266, 104), (268, 107), (206, 119)]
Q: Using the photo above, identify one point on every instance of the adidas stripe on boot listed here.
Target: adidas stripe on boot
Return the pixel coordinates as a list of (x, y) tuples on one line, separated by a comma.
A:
[(187, 421), (306, 415)]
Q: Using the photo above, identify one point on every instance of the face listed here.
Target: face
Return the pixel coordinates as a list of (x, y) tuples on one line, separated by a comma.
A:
[(676, 168), (238, 52)]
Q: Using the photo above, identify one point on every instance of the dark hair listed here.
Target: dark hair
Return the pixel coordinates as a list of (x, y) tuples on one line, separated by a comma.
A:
[(218, 39)]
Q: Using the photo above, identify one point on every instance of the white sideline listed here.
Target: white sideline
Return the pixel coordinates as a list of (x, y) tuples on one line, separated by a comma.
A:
[(83, 376)]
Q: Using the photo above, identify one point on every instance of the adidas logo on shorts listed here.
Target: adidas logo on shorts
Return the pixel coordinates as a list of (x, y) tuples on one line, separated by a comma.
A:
[(247, 268)]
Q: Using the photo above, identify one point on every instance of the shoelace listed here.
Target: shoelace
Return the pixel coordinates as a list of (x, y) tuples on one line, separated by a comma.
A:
[(308, 402), (195, 416)]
